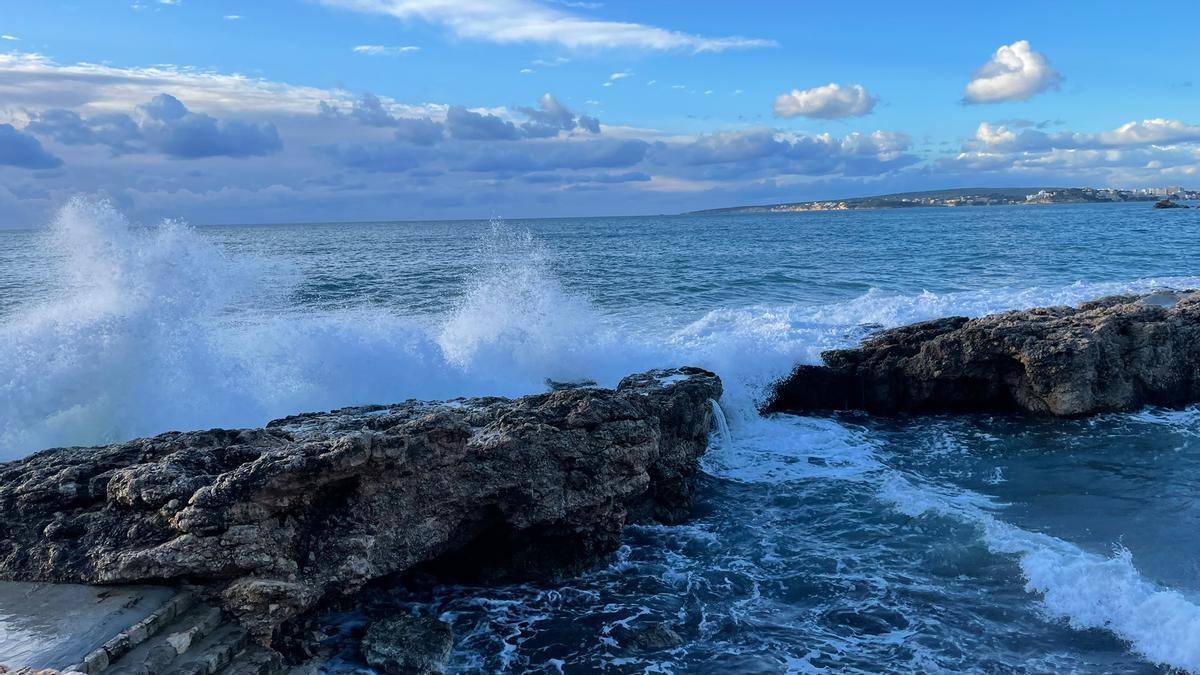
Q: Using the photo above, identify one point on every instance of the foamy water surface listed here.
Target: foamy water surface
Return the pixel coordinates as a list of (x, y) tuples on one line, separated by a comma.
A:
[(821, 544)]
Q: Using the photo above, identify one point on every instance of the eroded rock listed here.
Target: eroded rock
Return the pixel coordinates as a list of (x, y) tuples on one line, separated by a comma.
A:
[(1113, 354), (408, 645), (276, 519)]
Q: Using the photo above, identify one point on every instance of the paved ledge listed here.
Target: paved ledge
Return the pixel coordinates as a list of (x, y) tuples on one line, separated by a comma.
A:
[(58, 625)]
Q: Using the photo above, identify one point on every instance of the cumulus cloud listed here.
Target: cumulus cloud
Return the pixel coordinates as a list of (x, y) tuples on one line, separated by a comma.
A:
[(118, 131), (1132, 152), (765, 152), (547, 120), (527, 21), (831, 101), (1157, 131), (468, 125), (21, 150), (1014, 73), (551, 117), (169, 127), (382, 50), (1003, 138), (163, 125)]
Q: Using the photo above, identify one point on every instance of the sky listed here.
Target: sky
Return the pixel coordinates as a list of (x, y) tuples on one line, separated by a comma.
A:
[(239, 111)]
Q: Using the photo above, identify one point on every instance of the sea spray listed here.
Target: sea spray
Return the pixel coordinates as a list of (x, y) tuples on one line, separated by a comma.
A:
[(123, 349), (156, 328)]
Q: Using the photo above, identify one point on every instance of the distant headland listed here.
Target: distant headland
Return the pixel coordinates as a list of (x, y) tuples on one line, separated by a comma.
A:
[(969, 197)]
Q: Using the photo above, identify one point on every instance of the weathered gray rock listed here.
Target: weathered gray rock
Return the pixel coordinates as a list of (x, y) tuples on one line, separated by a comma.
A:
[(1113, 354), (316, 506), (408, 645), (1168, 204), (652, 637)]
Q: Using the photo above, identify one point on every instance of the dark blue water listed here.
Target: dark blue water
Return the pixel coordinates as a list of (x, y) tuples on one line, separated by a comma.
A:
[(825, 544)]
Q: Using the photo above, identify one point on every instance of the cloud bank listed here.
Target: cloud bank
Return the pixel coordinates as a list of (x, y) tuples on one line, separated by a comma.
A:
[(163, 125)]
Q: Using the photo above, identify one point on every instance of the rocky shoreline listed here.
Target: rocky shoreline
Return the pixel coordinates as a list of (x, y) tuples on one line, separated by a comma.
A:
[(256, 531), (270, 523), (1113, 354)]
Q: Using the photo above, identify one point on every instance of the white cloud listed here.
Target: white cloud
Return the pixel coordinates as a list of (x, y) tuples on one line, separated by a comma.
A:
[(831, 101), (1135, 152), (528, 71), (10, 38), (993, 135), (1156, 131), (381, 50), (526, 21), (619, 76), (1015, 73), (36, 82), (232, 17)]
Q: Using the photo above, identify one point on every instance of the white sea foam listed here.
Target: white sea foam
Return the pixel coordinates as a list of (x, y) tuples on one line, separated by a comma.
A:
[(1086, 589), (141, 340)]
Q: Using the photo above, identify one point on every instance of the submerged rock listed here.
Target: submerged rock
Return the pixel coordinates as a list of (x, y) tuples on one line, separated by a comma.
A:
[(652, 637), (1113, 354), (315, 506), (408, 645)]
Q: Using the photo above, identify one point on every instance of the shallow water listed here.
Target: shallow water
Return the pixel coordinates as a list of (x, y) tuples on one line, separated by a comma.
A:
[(820, 544)]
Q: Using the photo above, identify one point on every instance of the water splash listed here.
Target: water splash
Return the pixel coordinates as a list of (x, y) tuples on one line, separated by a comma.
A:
[(721, 422)]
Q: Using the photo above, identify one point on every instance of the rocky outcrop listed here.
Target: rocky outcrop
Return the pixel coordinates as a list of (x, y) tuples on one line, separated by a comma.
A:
[(274, 520), (1113, 354), (1168, 204), (408, 645)]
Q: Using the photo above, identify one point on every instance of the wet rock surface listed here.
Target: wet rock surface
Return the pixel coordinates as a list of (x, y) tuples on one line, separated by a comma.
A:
[(408, 645), (1112, 354), (273, 521)]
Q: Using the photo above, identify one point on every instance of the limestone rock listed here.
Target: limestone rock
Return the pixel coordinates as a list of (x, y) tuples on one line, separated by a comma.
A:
[(315, 506), (1113, 354), (408, 645)]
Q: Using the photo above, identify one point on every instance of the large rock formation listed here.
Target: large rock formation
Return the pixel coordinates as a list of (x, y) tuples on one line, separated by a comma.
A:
[(315, 506), (1112, 354)]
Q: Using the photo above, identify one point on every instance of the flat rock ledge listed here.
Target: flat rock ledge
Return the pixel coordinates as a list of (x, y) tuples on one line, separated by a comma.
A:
[(271, 522), (1117, 353)]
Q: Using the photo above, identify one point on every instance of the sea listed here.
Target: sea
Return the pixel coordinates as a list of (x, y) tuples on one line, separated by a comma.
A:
[(838, 543)]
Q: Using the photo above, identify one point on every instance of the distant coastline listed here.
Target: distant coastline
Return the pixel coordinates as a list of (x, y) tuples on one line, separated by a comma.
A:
[(967, 197)]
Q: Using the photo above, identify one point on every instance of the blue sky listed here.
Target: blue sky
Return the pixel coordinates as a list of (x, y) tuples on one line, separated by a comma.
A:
[(272, 111)]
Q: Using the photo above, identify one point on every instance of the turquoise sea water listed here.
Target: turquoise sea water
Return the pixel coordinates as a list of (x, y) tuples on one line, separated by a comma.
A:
[(838, 543)]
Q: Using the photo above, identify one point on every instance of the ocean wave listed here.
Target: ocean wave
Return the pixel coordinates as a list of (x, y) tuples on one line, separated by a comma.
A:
[(1088, 590), (157, 328)]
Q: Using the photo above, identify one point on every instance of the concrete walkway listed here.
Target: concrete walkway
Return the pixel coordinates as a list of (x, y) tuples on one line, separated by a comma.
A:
[(57, 625)]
